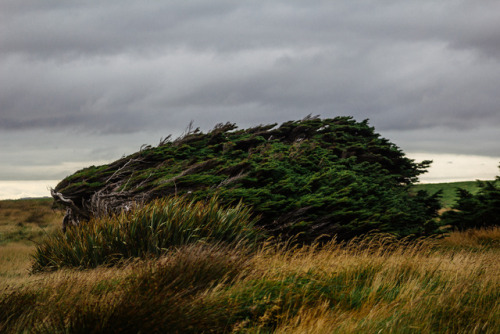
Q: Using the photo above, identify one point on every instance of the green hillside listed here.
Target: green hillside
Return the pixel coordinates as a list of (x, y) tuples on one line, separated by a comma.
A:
[(449, 190)]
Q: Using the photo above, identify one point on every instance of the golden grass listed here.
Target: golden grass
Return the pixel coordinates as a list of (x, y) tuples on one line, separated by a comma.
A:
[(15, 262), (27, 220), (363, 287), (377, 285), (484, 237), (432, 291)]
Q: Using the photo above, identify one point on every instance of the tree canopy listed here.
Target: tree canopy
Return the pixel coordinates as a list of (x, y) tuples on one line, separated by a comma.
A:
[(310, 177), (476, 210)]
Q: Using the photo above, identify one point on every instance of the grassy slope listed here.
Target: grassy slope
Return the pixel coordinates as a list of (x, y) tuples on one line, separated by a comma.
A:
[(448, 286), (449, 190)]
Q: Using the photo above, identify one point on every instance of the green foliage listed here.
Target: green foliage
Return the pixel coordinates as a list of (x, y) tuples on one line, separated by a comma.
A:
[(449, 190), (476, 210), (314, 177), (149, 230)]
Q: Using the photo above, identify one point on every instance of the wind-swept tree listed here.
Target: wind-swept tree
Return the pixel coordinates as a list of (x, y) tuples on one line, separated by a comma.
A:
[(311, 177)]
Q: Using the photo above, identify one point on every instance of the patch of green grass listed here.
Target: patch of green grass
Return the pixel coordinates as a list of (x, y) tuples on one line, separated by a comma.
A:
[(449, 190), (21, 234)]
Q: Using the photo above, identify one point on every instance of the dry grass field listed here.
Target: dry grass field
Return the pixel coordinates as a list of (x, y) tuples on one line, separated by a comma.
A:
[(22, 224), (25, 220), (370, 285)]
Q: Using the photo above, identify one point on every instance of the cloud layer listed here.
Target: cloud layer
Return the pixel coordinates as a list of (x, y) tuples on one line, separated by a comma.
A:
[(424, 72)]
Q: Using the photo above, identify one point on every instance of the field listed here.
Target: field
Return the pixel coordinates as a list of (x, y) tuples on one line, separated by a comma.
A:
[(370, 285), (27, 220), (22, 224), (449, 190)]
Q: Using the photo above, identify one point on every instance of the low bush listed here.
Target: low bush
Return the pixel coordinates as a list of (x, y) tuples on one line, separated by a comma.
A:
[(479, 210), (144, 231)]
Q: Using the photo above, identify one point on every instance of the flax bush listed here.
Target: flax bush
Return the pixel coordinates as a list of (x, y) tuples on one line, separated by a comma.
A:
[(149, 230)]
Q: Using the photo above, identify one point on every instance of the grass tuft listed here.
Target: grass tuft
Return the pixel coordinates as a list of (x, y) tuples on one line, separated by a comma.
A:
[(149, 230), (486, 237)]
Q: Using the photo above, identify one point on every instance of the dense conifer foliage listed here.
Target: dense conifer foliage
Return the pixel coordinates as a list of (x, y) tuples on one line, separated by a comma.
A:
[(309, 177), (476, 210)]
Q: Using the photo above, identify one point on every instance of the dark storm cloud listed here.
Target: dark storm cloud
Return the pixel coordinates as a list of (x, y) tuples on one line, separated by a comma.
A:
[(118, 67), (76, 28)]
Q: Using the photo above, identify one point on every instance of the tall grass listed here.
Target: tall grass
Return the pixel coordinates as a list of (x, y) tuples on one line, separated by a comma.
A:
[(14, 261), (486, 237), (167, 295), (414, 288), (193, 272), (365, 286), (149, 230)]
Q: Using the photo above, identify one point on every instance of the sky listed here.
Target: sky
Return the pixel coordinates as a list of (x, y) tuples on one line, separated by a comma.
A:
[(85, 82)]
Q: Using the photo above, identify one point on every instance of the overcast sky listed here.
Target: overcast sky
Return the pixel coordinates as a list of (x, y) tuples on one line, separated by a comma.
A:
[(84, 82)]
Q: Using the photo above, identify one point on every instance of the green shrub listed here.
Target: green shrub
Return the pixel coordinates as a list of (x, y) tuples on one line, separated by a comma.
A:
[(148, 230), (476, 210), (312, 177)]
